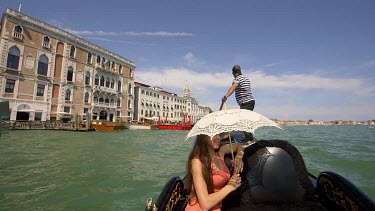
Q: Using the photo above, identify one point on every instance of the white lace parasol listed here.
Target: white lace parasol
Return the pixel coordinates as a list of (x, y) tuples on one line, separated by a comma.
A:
[(230, 120)]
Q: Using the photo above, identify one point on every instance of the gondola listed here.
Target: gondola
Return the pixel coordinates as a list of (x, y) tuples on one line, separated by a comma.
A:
[(275, 178)]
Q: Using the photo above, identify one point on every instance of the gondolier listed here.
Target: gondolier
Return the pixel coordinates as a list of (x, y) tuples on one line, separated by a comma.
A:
[(242, 88)]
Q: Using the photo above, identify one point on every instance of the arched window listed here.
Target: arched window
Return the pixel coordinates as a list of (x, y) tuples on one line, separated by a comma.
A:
[(120, 69), (46, 39), (106, 100), (96, 79), (95, 98), (107, 82), (130, 89), (46, 42), (101, 99), (43, 65), (67, 94), (103, 62), (72, 51), (17, 32), (118, 102), (102, 81), (89, 58), (87, 78), (112, 100), (130, 73), (98, 59), (86, 97), (112, 83), (18, 29), (119, 86), (69, 76), (13, 58)]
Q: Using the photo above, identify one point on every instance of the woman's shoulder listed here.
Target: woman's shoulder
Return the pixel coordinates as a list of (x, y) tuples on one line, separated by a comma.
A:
[(195, 161)]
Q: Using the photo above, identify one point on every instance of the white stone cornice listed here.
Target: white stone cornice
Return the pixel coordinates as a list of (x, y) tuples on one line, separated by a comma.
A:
[(48, 29)]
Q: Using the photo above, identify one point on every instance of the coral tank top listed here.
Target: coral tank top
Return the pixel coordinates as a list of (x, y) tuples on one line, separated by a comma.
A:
[(220, 179)]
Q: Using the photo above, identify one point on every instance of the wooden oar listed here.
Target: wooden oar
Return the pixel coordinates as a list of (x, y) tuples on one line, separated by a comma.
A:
[(222, 103)]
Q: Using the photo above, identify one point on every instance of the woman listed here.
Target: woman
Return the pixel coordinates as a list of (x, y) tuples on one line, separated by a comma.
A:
[(207, 174)]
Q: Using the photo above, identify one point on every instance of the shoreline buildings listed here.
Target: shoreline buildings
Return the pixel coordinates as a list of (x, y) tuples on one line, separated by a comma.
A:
[(152, 102), (47, 74)]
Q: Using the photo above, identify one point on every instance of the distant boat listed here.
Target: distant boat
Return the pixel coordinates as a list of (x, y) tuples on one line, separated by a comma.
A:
[(181, 126), (138, 127), (106, 126), (146, 124)]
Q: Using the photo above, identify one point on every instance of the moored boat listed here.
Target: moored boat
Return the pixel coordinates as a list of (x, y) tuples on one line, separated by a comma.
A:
[(179, 126), (106, 126), (145, 125)]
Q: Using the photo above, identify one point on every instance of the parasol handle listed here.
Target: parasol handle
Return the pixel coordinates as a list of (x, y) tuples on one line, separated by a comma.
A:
[(231, 147)]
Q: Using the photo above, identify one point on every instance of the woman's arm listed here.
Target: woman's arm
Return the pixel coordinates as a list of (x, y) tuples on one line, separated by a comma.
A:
[(206, 200), (239, 149)]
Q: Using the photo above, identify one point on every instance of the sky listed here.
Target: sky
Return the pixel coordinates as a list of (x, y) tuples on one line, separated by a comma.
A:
[(306, 60)]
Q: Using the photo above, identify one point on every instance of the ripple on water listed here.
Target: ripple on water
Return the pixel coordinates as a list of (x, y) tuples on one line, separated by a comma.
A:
[(59, 170)]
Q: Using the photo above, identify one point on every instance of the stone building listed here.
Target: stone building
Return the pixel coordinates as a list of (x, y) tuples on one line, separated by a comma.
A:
[(152, 102), (47, 73)]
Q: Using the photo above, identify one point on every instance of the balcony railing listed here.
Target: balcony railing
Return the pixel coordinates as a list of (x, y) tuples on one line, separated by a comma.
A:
[(103, 104), (17, 35), (105, 89), (46, 45)]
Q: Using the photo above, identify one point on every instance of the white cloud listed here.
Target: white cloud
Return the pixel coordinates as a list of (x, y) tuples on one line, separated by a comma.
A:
[(272, 64), (129, 33), (174, 77), (208, 87), (118, 41), (192, 60)]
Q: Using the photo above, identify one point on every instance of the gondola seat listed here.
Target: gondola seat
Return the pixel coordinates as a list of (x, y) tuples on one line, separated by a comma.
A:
[(274, 178)]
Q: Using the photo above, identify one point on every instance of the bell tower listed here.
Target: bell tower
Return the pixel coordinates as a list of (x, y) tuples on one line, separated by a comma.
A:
[(186, 90)]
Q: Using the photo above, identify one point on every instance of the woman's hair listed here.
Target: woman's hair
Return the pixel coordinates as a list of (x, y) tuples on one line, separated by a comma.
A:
[(200, 151)]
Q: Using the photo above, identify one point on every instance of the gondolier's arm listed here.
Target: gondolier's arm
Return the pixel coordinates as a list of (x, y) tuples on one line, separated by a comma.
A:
[(230, 92)]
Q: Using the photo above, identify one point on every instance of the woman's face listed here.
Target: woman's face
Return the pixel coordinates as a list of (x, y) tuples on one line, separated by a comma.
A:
[(214, 142)]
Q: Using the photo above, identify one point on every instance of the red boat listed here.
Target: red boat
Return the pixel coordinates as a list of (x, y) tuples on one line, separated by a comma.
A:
[(167, 126)]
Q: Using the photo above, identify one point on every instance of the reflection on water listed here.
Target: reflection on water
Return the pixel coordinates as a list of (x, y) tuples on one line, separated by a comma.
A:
[(55, 170)]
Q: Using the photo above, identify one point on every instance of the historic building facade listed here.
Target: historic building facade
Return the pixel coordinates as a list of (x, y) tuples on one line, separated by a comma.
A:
[(152, 102), (47, 73)]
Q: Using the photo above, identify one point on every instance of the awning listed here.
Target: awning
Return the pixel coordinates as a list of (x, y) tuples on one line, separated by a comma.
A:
[(125, 116), (64, 113)]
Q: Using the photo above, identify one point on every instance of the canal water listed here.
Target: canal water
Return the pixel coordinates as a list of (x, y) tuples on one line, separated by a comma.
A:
[(120, 170)]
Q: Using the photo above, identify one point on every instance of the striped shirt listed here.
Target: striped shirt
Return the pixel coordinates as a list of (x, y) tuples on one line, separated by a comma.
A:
[(243, 91)]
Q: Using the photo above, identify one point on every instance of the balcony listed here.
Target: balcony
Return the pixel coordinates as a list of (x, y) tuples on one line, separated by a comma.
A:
[(46, 45), (12, 70), (17, 35), (106, 105), (104, 89), (105, 68)]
